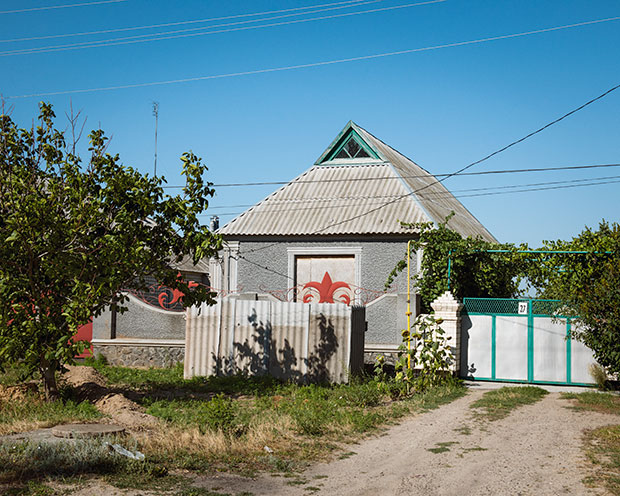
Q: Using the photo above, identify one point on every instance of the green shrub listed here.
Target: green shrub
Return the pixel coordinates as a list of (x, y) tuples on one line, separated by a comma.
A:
[(220, 414), (363, 395), (311, 419), (364, 422)]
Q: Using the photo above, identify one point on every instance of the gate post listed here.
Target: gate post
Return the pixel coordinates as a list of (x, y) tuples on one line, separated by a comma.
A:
[(448, 308)]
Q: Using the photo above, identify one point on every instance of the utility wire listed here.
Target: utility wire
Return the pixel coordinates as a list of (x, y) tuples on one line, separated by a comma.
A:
[(178, 23), (169, 35), (498, 190), (316, 64), (264, 267), (52, 7), (392, 177), (520, 140), (460, 171)]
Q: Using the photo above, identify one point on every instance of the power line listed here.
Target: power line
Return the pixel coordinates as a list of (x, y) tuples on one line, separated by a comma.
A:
[(52, 7), (520, 140), (239, 255), (460, 171), (495, 190), (393, 177), (169, 35), (316, 64), (178, 23)]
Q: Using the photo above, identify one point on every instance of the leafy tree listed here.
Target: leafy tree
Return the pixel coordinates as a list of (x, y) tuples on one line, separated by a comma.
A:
[(73, 234), (589, 285), (474, 272)]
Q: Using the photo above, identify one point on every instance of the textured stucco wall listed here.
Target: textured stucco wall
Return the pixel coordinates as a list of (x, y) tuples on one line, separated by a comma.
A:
[(141, 321), (263, 266)]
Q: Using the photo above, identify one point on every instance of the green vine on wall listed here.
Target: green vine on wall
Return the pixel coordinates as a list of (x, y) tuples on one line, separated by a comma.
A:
[(474, 271)]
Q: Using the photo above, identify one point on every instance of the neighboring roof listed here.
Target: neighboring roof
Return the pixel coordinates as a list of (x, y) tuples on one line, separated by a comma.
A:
[(187, 265), (346, 196)]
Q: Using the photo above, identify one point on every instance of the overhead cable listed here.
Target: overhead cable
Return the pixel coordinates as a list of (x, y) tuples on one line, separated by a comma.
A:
[(178, 23), (460, 171), (316, 64), (52, 7), (169, 35), (390, 177), (499, 190)]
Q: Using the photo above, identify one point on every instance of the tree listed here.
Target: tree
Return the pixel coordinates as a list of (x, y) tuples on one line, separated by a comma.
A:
[(73, 235), (588, 284), (474, 272)]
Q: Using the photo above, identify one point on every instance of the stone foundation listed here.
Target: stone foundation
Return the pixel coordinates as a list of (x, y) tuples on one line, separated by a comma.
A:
[(141, 356), (370, 358)]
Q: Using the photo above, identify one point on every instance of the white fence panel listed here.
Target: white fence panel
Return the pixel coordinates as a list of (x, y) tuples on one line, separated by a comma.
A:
[(549, 349), (476, 359), (511, 348), (289, 340), (296, 341), (582, 358)]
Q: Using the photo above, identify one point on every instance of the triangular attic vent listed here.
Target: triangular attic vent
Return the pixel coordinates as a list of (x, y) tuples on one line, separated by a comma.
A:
[(352, 149), (349, 146)]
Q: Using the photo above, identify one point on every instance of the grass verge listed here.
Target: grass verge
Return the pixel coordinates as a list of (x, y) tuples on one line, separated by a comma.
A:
[(240, 424), (595, 401), (497, 404), (602, 445), (30, 411), (603, 452)]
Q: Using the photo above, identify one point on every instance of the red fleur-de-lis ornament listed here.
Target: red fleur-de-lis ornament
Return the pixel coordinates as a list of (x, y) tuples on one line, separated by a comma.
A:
[(326, 289)]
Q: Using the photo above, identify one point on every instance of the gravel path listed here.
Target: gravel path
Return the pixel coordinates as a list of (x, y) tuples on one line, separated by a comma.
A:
[(536, 450)]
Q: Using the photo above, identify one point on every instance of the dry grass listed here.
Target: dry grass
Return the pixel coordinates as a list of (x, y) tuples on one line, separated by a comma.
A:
[(27, 410), (497, 404), (603, 451), (239, 424), (595, 401)]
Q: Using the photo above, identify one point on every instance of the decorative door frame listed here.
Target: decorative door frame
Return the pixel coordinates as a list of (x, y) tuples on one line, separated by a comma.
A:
[(324, 251)]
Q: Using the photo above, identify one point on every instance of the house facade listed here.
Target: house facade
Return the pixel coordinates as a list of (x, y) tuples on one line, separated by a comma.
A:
[(334, 234)]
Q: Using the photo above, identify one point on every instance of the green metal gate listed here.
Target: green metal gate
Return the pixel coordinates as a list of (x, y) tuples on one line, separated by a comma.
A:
[(521, 340)]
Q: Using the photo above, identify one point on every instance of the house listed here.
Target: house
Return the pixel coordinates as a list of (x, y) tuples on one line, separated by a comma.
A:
[(333, 234)]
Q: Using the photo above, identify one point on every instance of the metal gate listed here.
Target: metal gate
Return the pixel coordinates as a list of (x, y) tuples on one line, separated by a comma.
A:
[(521, 341)]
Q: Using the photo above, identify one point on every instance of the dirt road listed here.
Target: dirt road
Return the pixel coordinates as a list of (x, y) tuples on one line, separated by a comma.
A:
[(536, 450)]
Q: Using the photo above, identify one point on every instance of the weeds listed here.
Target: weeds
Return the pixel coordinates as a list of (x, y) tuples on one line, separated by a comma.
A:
[(599, 374), (497, 404), (591, 400), (602, 445), (33, 412), (441, 447), (239, 424), (603, 451), (26, 460)]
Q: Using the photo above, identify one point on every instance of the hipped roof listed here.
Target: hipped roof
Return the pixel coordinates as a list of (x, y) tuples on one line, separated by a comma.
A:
[(348, 196)]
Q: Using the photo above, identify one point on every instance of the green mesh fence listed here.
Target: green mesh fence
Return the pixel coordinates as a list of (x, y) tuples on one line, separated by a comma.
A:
[(507, 306)]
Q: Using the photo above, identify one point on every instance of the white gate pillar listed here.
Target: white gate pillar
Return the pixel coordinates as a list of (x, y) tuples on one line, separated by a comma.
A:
[(448, 308)]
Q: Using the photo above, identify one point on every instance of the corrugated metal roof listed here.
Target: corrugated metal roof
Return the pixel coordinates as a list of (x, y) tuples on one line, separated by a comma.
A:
[(432, 195), (332, 200), (356, 196)]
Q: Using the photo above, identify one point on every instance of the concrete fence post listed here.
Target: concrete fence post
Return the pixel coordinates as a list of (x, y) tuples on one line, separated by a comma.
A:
[(448, 308)]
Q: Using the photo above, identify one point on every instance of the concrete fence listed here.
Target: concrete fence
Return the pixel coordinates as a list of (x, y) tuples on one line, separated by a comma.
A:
[(292, 341)]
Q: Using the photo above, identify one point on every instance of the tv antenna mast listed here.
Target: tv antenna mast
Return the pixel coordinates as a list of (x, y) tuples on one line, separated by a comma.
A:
[(156, 114)]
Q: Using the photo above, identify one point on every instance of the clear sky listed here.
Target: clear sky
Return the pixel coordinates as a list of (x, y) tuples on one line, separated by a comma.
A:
[(444, 108)]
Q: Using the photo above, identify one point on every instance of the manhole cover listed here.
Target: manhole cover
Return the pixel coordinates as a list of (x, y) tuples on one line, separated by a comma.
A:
[(86, 430)]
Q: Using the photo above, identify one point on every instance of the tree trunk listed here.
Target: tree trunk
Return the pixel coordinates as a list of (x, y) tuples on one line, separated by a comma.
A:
[(48, 373)]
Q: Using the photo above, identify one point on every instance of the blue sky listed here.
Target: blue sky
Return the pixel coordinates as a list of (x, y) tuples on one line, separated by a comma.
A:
[(443, 108)]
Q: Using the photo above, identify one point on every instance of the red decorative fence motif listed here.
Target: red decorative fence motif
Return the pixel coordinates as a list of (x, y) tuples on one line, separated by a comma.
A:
[(326, 291), (166, 298), (358, 295)]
